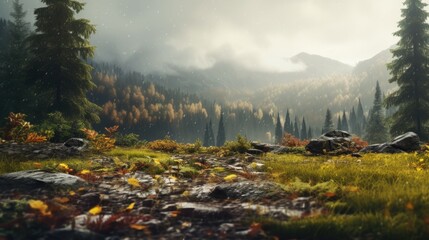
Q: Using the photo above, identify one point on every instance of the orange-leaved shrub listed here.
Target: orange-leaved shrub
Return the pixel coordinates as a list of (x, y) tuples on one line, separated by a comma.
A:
[(101, 142), (358, 143), (291, 141), (19, 130)]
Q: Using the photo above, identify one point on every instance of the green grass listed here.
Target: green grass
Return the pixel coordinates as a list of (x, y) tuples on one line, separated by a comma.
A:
[(391, 190)]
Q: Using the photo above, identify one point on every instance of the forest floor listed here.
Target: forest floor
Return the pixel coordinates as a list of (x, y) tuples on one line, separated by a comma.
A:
[(142, 194)]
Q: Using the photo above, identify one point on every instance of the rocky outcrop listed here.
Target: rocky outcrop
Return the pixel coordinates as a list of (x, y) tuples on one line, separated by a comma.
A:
[(72, 147), (407, 142), (32, 179), (337, 142)]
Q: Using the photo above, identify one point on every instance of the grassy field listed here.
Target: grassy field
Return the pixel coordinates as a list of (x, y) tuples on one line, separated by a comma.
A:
[(378, 196)]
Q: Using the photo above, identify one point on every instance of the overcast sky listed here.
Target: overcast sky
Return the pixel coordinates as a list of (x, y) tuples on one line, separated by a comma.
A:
[(150, 35)]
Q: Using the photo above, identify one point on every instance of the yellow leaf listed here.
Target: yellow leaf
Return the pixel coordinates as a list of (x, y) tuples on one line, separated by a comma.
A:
[(157, 162), (95, 210), (186, 194), (62, 199), (174, 213), (85, 172), (330, 194), (41, 206), (72, 193), (419, 169), (134, 182), (37, 165), (63, 167), (138, 227), (421, 160), (131, 206), (352, 189), (230, 178)]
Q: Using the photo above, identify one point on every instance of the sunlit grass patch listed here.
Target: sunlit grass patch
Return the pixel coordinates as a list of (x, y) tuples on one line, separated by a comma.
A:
[(377, 186), (130, 153)]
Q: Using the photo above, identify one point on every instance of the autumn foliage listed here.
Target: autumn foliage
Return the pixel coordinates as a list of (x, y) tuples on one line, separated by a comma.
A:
[(19, 130), (291, 141), (101, 142)]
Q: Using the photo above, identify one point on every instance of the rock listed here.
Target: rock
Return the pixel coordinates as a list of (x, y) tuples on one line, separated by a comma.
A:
[(337, 142), (78, 143), (70, 234), (32, 179), (407, 142), (281, 150), (265, 147), (245, 191), (254, 151)]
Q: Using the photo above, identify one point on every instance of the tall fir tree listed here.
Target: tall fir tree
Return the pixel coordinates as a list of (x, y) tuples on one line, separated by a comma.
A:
[(376, 130), (344, 122), (328, 125), (288, 127), (352, 121), (339, 123), (310, 133), (15, 94), (296, 128), (278, 131), (304, 134), (212, 141), (410, 70), (220, 139), (58, 69), (360, 120)]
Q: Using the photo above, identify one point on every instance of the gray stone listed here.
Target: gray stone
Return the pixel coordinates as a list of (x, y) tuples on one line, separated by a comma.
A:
[(32, 179), (330, 143), (254, 151), (407, 142), (337, 134), (78, 143)]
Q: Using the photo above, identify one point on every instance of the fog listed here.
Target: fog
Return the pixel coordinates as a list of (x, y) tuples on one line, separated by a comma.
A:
[(153, 35)]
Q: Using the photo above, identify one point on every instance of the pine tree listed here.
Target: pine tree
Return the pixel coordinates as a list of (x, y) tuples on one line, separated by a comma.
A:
[(353, 121), (328, 125), (278, 130), (206, 136), (296, 128), (14, 60), (360, 119), (410, 70), (58, 69), (339, 124), (310, 133), (344, 122), (376, 130), (211, 134), (288, 128), (304, 129), (220, 139)]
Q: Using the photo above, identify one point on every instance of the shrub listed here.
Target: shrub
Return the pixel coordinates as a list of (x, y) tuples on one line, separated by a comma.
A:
[(291, 141), (358, 144), (100, 142), (128, 140), (164, 145), (241, 145), (19, 130), (61, 129), (191, 148)]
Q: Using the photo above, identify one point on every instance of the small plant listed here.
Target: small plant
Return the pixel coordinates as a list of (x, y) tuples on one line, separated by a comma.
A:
[(17, 128), (191, 148), (291, 141), (164, 145), (241, 145), (128, 140), (359, 144), (100, 142), (58, 129), (35, 138)]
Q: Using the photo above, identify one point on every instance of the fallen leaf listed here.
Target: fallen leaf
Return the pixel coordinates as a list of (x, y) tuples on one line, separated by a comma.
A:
[(352, 189), (62, 199), (230, 178), (409, 206), (186, 225), (330, 194), (37, 165), (138, 227), (84, 172), (133, 182), (41, 206), (255, 229), (174, 213), (72, 193), (131, 206), (95, 210), (186, 194), (63, 167)]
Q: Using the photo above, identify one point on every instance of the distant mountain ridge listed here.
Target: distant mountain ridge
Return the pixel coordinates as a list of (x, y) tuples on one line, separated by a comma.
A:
[(319, 65)]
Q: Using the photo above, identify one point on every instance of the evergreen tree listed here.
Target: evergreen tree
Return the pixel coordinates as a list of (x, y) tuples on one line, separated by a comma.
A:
[(296, 128), (310, 133), (278, 130), (58, 69), (304, 129), (376, 130), (339, 124), (13, 63), (328, 125), (211, 134), (353, 121), (410, 70), (288, 127), (206, 136), (220, 139), (344, 122), (361, 119)]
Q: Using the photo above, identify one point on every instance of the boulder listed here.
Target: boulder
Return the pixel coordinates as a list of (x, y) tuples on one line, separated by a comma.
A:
[(407, 142), (337, 142), (265, 147), (254, 151), (78, 143), (32, 179)]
